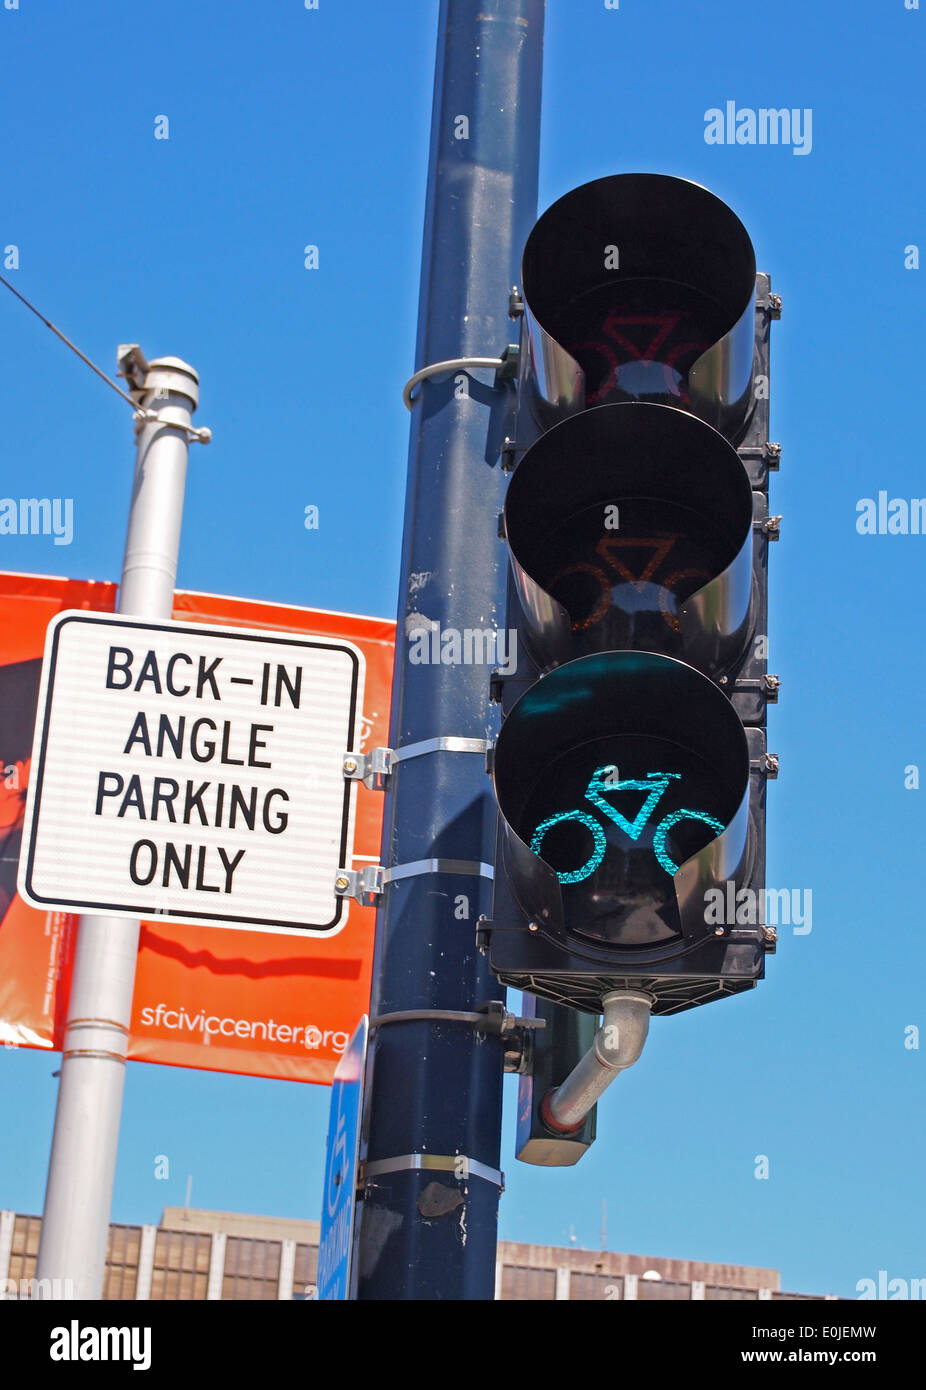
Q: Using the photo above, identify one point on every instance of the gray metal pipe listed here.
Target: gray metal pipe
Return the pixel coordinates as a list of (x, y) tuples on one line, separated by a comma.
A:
[(152, 543), (618, 1043), (82, 1166)]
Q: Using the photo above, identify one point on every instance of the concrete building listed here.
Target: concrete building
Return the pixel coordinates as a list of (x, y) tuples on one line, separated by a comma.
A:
[(225, 1255)]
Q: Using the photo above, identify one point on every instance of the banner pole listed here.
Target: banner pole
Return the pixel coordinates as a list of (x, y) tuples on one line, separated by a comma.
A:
[(82, 1165)]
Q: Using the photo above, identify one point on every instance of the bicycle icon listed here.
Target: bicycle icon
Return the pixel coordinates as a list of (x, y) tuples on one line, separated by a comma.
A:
[(622, 346), (605, 779), (610, 566)]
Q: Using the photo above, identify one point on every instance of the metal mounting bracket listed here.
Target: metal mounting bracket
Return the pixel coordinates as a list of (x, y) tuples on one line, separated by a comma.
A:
[(375, 768), (144, 415), (491, 1017), (769, 526), (769, 685), (457, 1165), (363, 885), (366, 885), (769, 452), (506, 369)]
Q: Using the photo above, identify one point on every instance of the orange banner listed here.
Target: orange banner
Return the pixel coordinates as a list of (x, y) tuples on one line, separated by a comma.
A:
[(207, 997)]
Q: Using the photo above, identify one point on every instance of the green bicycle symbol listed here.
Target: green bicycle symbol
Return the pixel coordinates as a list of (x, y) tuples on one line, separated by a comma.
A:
[(605, 779)]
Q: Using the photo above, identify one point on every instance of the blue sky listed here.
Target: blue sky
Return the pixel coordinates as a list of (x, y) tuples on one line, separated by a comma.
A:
[(290, 127)]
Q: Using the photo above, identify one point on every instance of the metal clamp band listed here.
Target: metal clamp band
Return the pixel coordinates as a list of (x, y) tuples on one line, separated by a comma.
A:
[(195, 435), (97, 1052), (458, 1164), (375, 768), (493, 1018), (446, 743), (438, 866), (430, 1016), (96, 1023), (366, 885)]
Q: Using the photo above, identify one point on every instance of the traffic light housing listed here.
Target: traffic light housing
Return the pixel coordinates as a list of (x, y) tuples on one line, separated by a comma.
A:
[(639, 287), (631, 765), (552, 1052)]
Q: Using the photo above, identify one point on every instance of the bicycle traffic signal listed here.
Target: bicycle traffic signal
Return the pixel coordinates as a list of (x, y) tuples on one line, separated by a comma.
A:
[(631, 764)]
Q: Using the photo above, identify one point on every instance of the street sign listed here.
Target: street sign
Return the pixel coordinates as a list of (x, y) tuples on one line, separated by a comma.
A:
[(336, 1242), (192, 772)]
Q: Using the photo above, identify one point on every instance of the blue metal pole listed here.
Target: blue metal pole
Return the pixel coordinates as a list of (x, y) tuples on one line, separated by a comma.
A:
[(429, 1209)]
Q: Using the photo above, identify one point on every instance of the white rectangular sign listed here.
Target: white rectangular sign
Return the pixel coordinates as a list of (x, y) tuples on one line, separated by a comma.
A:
[(192, 772)]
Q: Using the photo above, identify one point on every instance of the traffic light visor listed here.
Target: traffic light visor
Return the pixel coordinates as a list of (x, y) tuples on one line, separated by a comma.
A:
[(646, 284)]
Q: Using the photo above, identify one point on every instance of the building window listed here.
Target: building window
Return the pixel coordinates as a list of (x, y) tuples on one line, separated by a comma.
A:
[(536, 1285), (26, 1231), (181, 1265), (252, 1268), (305, 1272), (122, 1253)]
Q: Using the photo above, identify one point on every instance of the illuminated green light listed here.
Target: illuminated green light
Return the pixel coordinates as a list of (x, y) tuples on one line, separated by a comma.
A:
[(602, 782), (601, 843), (664, 826), (655, 784)]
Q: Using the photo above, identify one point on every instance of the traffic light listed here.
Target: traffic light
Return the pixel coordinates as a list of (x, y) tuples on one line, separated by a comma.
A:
[(631, 765), (551, 1054)]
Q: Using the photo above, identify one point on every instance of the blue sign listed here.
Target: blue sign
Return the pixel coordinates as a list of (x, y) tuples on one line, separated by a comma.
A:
[(335, 1247)]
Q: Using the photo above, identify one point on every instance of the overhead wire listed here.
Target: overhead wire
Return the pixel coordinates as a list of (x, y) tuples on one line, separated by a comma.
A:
[(67, 342)]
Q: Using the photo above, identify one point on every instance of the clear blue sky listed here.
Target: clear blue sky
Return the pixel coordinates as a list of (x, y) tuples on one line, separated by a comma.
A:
[(290, 127)]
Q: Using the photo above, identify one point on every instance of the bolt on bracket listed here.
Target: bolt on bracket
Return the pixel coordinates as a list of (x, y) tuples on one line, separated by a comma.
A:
[(770, 452), (508, 371), (769, 685), (363, 885), (769, 526), (491, 1018), (375, 768)]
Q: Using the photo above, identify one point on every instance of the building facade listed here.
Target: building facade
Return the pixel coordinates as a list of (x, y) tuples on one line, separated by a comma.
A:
[(225, 1255)]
